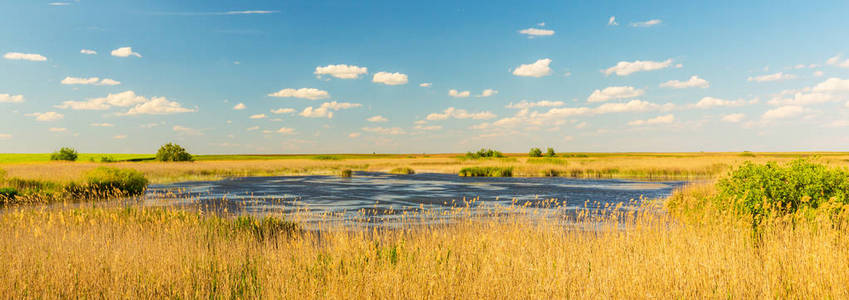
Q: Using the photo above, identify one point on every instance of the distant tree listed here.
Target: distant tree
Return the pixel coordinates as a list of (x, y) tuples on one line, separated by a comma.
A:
[(550, 152), (535, 152), (172, 152), (66, 153)]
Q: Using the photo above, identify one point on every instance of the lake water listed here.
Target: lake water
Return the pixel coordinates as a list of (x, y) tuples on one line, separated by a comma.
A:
[(387, 195)]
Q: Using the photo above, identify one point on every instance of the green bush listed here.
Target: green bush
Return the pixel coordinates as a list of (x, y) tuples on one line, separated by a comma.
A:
[(8, 193), (327, 157), (550, 152), (108, 182), (172, 152), (107, 159), (67, 154), (487, 172), (346, 173), (535, 152), (760, 190), (484, 153), (403, 171)]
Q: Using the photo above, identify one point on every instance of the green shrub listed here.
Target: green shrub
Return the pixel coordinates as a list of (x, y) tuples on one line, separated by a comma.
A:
[(107, 159), (172, 152), (535, 152), (747, 154), (484, 153), (8, 193), (550, 152), (327, 157), (403, 171), (760, 190), (67, 154), (346, 173), (487, 172), (548, 160), (108, 182)]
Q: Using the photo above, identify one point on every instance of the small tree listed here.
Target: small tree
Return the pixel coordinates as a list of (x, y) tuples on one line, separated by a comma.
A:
[(535, 152), (68, 154), (172, 152), (550, 152)]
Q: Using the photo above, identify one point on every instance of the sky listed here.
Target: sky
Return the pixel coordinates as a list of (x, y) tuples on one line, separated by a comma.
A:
[(222, 77)]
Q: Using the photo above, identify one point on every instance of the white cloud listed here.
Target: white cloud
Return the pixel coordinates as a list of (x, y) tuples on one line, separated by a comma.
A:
[(5, 136), (558, 115), (425, 84), (250, 12), (286, 131), (818, 73), (6, 98), (302, 93), (733, 118), (59, 3), (804, 99), (782, 112), (257, 116), (544, 103), (625, 68), (125, 52), (120, 137), (186, 130), (47, 116), (835, 61), (88, 52), (612, 21), (710, 102), (631, 106), (239, 106), (615, 92), (458, 94), (24, 56), (354, 135), (382, 130), (123, 99), (537, 69), (487, 93), (281, 111), (102, 125), (326, 109), (427, 128), (89, 81), (772, 77), (532, 32), (341, 71), (694, 81), (58, 129), (158, 106), (653, 121), (377, 119), (459, 114), (648, 23), (390, 78), (832, 85), (252, 128)]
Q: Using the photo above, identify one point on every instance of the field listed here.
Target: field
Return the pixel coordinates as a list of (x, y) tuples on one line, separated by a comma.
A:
[(681, 247)]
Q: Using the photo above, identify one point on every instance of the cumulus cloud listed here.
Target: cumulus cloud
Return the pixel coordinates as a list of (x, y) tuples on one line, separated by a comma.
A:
[(615, 92), (281, 111), (837, 61), (354, 135), (102, 125), (800, 98), (612, 21), (158, 106), (252, 128), (459, 114), (302, 93), (341, 71), (526, 104), (625, 68), (425, 84), (667, 119), (24, 56), (832, 85), (711, 102), (125, 52), (89, 81), (239, 106), (326, 109), (154, 105), (458, 94), (537, 69), (648, 23), (286, 131), (257, 116), (88, 52), (631, 106), (387, 131), (6, 98), (694, 81), (427, 128), (532, 32), (389, 78), (733, 118), (787, 111), (772, 77), (377, 119), (487, 93), (186, 130), (46, 116), (58, 129)]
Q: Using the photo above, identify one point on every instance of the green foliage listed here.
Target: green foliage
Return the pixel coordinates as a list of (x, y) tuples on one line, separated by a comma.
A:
[(550, 152), (484, 153), (66, 153), (747, 154), (108, 182), (107, 159), (172, 152), (535, 152), (760, 190), (327, 157), (547, 160), (267, 228), (575, 155), (346, 173), (403, 171), (487, 172), (7, 193)]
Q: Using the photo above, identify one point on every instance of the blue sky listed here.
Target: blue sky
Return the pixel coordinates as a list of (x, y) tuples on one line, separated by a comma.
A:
[(377, 76)]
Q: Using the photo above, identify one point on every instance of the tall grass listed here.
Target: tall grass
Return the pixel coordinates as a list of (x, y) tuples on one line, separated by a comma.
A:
[(486, 172)]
